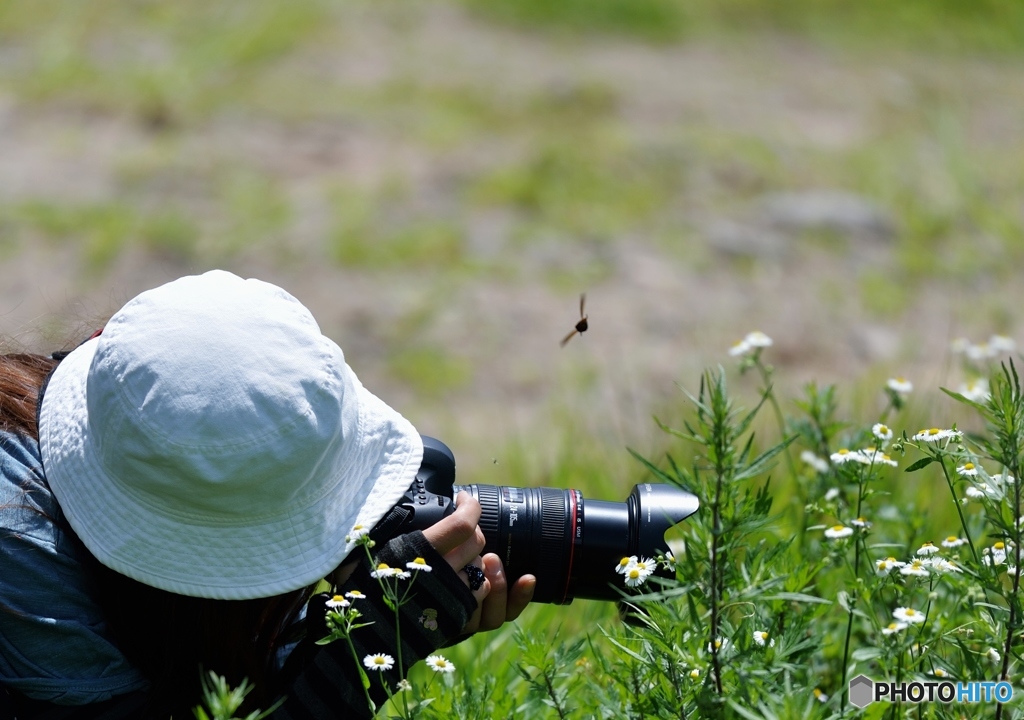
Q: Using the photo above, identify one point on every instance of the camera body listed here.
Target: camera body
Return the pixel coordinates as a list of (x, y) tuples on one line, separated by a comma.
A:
[(570, 544)]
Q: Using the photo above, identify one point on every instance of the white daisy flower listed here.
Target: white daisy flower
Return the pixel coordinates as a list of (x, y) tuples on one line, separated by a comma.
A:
[(975, 390), (384, 571), (916, 567), (981, 351), (354, 595), (645, 565), (403, 685), (720, 644), (625, 564), (939, 672), (1002, 343), (953, 542), (757, 339), (820, 696), (379, 662), (419, 564), (974, 493), (993, 655), (944, 565), (885, 460), (357, 533), (337, 602), (893, 628), (695, 674), (884, 567), (440, 664), (882, 432), (935, 435), (740, 348), (837, 532), (761, 638), (831, 494), (927, 549), (861, 523), (908, 615), (670, 561), (845, 455), (968, 469), (900, 385), (819, 464), (635, 577)]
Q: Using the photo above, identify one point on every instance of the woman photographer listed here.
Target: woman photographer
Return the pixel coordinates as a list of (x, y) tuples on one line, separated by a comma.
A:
[(173, 490)]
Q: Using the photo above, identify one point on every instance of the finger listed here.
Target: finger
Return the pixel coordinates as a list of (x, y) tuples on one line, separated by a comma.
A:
[(468, 551), (519, 596), (450, 532), (492, 613)]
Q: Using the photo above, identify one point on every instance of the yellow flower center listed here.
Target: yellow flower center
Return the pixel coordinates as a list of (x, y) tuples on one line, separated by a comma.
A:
[(999, 546), (901, 379), (934, 431), (441, 663), (634, 574), (951, 538), (844, 451), (419, 561), (892, 626), (818, 693), (861, 520), (383, 566), (378, 660), (718, 643), (968, 466), (883, 430), (624, 562), (338, 598), (911, 612), (837, 528)]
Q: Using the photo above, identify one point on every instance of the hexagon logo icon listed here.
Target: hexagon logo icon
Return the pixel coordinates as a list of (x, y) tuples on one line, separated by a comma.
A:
[(862, 691)]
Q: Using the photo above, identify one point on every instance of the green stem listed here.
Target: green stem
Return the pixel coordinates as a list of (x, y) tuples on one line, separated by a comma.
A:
[(956, 504), (364, 680)]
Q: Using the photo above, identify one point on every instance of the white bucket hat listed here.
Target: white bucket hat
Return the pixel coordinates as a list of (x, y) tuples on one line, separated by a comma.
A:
[(212, 442)]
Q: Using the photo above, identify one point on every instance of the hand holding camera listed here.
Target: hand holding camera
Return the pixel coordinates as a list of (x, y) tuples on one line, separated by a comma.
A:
[(459, 539)]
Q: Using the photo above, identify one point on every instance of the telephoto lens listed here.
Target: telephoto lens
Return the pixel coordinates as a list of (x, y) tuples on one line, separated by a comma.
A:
[(572, 544)]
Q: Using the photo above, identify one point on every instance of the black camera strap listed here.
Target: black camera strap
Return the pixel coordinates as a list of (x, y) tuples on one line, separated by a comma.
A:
[(390, 523)]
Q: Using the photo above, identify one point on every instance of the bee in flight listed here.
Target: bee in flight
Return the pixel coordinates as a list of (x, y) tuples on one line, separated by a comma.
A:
[(581, 326)]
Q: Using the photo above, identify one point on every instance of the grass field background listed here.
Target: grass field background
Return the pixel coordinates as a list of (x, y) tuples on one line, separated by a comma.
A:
[(440, 181)]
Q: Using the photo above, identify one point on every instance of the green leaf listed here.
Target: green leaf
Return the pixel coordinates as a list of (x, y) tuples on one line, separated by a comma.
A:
[(922, 463), (960, 398), (798, 597)]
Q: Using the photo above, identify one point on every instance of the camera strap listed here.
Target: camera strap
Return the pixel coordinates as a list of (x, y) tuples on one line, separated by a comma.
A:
[(390, 523)]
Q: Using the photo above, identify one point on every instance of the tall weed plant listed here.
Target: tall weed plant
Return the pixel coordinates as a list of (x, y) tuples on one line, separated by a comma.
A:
[(776, 604)]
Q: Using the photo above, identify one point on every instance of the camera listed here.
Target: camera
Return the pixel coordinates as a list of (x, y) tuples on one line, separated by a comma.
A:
[(570, 544)]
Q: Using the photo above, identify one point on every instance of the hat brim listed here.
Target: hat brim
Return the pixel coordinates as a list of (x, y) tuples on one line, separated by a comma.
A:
[(236, 559)]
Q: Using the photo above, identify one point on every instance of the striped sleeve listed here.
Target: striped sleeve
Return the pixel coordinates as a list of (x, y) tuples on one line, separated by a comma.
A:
[(323, 681)]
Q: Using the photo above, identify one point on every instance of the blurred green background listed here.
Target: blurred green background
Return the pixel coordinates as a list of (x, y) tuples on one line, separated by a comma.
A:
[(439, 181)]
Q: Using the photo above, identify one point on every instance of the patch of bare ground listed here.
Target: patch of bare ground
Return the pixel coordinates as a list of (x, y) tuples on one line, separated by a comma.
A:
[(661, 308)]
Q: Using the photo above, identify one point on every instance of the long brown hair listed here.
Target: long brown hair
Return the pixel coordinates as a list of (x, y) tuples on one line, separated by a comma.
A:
[(21, 376), (170, 638)]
